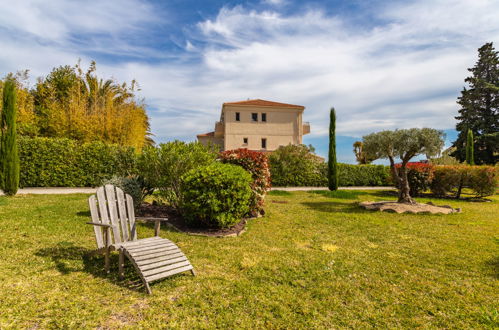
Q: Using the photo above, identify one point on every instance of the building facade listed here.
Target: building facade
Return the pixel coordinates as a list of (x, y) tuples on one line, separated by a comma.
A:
[(257, 125)]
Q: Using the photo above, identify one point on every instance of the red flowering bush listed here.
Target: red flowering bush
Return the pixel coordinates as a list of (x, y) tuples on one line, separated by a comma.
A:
[(419, 176), (256, 163)]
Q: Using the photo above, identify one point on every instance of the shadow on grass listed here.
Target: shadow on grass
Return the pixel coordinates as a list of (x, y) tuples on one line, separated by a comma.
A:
[(493, 265), (354, 194), (83, 214), (335, 207), (66, 257)]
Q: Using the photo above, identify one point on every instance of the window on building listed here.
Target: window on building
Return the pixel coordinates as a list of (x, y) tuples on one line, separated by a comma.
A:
[(254, 116), (264, 143), (245, 140), (238, 116), (264, 117)]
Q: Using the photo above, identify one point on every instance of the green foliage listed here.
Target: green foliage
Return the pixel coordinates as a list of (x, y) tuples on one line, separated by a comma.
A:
[(256, 163), (450, 180), (363, 175), (51, 162), (217, 195), (295, 165), (131, 185), (479, 111), (9, 158), (470, 158), (403, 144), (332, 166), (447, 178), (483, 180), (163, 166)]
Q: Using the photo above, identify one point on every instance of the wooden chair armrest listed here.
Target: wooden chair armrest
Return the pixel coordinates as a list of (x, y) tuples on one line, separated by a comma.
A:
[(157, 223), (150, 219), (100, 224)]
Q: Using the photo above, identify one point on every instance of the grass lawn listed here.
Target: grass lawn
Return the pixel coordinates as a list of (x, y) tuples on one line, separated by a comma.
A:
[(315, 261)]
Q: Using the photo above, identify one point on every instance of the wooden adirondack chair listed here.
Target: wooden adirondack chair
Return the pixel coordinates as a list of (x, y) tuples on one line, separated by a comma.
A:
[(113, 218)]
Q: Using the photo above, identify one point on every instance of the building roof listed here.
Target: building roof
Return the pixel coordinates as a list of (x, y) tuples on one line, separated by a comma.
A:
[(206, 134), (265, 103)]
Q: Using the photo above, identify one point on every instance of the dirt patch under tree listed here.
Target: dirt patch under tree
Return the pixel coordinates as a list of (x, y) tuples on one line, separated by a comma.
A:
[(409, 208), (175, 221)]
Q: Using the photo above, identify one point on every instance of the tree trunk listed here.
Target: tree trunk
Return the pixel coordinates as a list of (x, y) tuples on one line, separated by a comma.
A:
[(404, 190)]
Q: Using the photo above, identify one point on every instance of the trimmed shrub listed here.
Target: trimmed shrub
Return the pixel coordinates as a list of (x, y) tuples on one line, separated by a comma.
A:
[(61, 162), (451, 179), (217, 195), (162, 167), (296, 165), (364, 175), (446, 179), (483, 180), (419, 176), (256, 163)]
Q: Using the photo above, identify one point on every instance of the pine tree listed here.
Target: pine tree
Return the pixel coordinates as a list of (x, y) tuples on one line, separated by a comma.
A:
[(480, 109), (470, 159), (9, 159), (332, 165)]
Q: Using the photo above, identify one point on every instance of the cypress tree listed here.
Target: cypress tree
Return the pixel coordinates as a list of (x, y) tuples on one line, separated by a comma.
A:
[(470, 158), (9, 159), (332, 166)]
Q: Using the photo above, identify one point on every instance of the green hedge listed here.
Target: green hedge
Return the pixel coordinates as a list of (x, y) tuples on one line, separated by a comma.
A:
[(349, 175), (364, 175), (60, 162)]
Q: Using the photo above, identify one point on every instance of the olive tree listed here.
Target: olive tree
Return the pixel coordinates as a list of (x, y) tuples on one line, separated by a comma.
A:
[(403, 144)]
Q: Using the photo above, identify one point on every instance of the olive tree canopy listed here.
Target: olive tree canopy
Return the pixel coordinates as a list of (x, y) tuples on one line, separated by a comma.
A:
[(403, 144)]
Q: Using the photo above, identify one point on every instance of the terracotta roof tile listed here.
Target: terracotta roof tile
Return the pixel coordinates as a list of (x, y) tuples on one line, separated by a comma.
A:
[(264, 103), (206, 134)]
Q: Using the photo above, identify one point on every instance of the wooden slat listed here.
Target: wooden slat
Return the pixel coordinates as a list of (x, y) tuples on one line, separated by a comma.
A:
[(142, 242), (125, 231), (113, 213), (163, 263), (164, 269), (149, 247), (168, 273), (101, 198), (154, 255), (131, 217), (144, 253), (92, 202), (145, 242), (176, 254)]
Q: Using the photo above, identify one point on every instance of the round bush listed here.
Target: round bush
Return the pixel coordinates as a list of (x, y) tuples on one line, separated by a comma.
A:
[(256, 163), (129, 185), (217, 195)]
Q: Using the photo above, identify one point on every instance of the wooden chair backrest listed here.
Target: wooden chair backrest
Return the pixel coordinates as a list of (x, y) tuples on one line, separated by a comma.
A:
[(112, 206)]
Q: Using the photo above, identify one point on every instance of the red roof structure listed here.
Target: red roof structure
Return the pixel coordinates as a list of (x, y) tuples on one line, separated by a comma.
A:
[(206, 134), (264, 103)]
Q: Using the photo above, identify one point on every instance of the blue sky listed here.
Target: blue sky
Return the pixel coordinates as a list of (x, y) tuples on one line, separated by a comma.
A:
[(381, 64)]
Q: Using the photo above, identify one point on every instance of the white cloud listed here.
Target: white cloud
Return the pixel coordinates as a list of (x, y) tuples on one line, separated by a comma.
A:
[(406, 72)]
